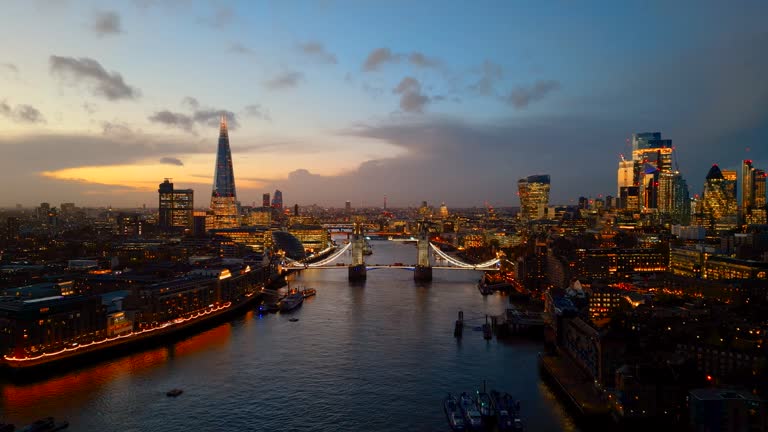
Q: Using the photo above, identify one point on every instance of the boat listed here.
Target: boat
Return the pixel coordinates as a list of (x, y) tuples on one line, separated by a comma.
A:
[(47, 424), (293, 319), (308, 292), (507, 412), (291, 302), (174, 392), (472, 416), (453, 413), (485, 406)]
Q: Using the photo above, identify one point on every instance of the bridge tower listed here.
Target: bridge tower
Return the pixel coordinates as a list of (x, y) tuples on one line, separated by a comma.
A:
[(357, 269), (423, 270)]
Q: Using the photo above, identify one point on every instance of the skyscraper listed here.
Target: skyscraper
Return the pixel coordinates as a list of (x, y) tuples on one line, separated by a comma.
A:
[(534, 196), (626, 174), (277, 200), (651, 157), (265, 200), (719, 201), (175, 207), (224, 197), (753, 198)]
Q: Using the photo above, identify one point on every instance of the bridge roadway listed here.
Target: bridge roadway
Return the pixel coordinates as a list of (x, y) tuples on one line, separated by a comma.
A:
[(409, 267)]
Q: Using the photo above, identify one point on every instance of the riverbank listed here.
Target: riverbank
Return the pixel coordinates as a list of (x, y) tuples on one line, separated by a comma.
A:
[(118, 345)]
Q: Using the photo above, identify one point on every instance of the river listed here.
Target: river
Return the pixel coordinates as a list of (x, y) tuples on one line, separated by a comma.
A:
[(373, 357)]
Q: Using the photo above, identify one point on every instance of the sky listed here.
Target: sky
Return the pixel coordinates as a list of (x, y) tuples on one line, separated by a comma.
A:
[(331, 101)]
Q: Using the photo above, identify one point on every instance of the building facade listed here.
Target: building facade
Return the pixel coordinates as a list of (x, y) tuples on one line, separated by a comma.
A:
[(534, 196), (176, 207)]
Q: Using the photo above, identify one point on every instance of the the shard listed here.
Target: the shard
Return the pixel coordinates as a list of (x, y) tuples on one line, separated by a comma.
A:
[(224, 199)]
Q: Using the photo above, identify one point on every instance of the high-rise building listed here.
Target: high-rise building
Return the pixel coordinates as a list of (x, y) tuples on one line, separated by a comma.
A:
[(719, 201), (534, 196), (348, 207), (626, 174), (13, 226), (672, 198), (753, 197), (629, 198), (265, 200), (295, 209), (224, 198), (176, 207), (651, 156), (277, 200)]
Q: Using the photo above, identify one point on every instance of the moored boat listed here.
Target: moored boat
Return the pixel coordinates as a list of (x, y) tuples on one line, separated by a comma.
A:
[(308, 292), (46, 424), (291, 302), (484, 405), (174, 392), (453, 413), (507, 412), (472, 416)]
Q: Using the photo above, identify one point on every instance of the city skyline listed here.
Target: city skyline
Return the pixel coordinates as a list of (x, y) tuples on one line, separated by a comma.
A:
[(95, 118)]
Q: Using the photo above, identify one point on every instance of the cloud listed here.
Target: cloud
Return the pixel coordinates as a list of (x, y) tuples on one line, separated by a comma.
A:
[(190, 102), (21, 113), (490, 74), (419, 59), (110, 86), (411, 98), (317, 51), (89, 107), (239, 48), (378, 57), (207, 117), (258, 111), (171, 161), (284, 80), (168, 118), (381, 56), (106, 23), (520, 97)]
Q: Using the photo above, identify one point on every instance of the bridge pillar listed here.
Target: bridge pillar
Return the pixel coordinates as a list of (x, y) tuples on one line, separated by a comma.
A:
[(357, 269), (423, 270)]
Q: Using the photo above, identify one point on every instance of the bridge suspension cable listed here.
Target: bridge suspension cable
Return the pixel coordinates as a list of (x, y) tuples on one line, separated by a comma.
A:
[(454, 261), (325, 261)]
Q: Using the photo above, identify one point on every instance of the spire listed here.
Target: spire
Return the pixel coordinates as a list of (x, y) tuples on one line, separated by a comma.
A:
[(223, 125)]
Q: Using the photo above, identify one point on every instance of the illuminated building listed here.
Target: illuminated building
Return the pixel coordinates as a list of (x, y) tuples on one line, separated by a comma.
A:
[(534, 196), (253, 238), (753, 199), (175, 207), (313, 237), (603, 302), (630, 198), (277, 200), (224, 198), (720, 267), (719, 201), (348, 207), (626, 175), (265, 200), (616, 263), (443, 210), (259, 217), (672, 198), (651, 157)]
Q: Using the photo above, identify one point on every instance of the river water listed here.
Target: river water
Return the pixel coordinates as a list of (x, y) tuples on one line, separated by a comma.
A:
[(373, 357)]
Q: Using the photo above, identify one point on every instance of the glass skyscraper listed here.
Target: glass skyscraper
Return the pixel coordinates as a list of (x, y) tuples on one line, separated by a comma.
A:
[(719, 201), (534, 196), (224, 198), (753, 197)]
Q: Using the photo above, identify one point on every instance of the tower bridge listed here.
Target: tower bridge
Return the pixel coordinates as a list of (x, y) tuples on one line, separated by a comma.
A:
[(422, 271)]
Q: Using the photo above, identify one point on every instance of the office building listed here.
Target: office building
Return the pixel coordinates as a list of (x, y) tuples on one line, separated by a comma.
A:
[(277, 200), (719, 201), (626, 174), (534, 196), (629, 198), (753, 199), (224, 198), (348, 207), (175, 206), (265, 200)]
